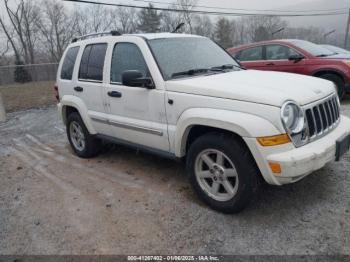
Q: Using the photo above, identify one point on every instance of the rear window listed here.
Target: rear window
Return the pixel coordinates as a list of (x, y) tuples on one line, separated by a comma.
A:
[(251, 54), (92, 61), (68, 63)]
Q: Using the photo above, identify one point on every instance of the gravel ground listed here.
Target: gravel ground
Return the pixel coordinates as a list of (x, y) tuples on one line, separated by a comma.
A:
[(128, 202)]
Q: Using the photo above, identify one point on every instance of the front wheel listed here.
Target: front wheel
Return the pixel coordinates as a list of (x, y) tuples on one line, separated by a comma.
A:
[(222, 172), (339, 83)]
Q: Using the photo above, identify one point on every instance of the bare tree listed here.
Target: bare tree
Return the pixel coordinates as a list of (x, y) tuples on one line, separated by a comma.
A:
[(312, 34), (170, 20), (256, 28), (186, 6), (203, 26), (56, 27), (93, 19), (126, 20), (21, 28)]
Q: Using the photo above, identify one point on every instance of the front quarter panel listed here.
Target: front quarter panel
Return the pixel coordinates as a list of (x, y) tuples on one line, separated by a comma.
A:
[(243, 124)]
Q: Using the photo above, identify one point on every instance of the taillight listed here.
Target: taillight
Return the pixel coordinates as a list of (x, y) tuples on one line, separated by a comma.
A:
[(56, 94)]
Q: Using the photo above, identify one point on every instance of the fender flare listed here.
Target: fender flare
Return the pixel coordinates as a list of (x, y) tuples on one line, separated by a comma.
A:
[(242, 124), (78, 104)]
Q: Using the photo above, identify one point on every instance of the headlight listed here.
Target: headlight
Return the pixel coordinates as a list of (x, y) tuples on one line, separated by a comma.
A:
[(347, 62), (293, 120)]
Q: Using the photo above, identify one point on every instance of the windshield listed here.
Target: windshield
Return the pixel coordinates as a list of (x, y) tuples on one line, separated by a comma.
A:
[(336, 49), (312, 48), (188, 56)]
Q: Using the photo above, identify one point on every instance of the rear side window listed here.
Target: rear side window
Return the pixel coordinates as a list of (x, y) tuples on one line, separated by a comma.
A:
[(127, 56), (251, 54), (68, 63), (92, 61)]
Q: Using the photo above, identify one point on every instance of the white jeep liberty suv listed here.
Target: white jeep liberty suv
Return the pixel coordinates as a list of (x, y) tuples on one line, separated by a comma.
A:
[(185, 97)]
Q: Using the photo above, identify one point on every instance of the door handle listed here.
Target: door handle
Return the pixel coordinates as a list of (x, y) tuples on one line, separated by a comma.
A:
[(78, 89), (270, 64), (114, 94)]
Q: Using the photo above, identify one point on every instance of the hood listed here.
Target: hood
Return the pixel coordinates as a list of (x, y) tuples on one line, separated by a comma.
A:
[(264, 87)]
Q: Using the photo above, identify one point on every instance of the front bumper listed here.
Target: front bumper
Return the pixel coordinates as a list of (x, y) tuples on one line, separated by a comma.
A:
[(297, 163)]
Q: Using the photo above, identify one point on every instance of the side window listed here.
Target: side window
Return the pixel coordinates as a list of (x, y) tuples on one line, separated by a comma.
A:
[(127, 56), (251, 54), (279, 52), (92, 61), (68, 63)]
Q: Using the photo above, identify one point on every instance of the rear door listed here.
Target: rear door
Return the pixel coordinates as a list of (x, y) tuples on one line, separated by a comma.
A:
[(277, 55), (89, 84), (252, 58)]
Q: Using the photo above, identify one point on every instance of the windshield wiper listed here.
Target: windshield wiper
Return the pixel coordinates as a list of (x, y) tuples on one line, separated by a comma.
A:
[(224, 67), (324, 55), (190, 72)]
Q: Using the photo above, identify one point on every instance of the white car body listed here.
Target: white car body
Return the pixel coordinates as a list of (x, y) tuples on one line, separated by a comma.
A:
[(247, 103)]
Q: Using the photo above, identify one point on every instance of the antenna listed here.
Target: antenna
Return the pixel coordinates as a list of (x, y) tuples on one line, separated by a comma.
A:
[(178, 27)]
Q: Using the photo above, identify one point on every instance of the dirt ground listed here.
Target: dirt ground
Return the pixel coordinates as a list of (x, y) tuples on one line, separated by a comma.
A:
[(25, 96), (127, 202)]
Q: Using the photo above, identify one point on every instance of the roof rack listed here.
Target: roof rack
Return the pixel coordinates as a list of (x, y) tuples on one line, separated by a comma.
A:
[(113, 33)]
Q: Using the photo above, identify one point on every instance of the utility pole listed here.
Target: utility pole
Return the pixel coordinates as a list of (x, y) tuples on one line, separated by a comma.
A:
[(347, 32)]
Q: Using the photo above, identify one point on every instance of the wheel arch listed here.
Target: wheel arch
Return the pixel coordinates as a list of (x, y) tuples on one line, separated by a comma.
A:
[(71, 104), (329, 71), (196, 122)]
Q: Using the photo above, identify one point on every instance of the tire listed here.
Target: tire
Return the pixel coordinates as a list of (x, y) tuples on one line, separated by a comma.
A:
[(338, 81), (245, 183), (90, 146)]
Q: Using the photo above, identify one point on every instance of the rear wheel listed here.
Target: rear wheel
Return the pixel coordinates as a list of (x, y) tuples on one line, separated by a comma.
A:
[(82, 142), (338, 81), (222, 172)]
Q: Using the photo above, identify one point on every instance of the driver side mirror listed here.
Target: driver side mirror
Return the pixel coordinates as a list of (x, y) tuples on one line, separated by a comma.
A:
[(136, 79), (296, 58)]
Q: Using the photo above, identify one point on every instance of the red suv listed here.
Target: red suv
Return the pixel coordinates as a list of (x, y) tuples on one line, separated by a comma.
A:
[(296, 56)]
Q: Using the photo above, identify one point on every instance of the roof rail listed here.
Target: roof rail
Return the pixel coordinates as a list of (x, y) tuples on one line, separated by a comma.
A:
[(113, 33)]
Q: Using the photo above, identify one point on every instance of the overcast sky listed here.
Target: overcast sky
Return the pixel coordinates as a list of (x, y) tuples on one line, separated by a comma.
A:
[(327, 22)]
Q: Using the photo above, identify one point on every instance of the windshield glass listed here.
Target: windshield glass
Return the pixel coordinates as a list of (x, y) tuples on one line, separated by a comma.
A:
[(187, 56), (336, 49), (312, 48)]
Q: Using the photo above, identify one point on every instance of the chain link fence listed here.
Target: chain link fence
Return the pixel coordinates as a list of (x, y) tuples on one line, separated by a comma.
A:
[(27, 86)]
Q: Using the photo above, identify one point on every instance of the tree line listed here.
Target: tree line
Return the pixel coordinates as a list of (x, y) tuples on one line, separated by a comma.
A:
[(39, 31)]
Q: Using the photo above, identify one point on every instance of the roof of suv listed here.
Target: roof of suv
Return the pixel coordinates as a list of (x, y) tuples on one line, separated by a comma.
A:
[(161, 35), (148, 36)]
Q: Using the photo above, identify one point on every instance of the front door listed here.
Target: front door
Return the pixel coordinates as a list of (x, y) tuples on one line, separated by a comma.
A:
[(277, 59), (136, 114)]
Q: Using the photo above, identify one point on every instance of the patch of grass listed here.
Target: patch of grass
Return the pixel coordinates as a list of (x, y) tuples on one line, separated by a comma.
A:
[(29, 95)]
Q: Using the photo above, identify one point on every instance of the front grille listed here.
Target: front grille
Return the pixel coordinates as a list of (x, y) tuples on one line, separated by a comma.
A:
[(322, 117)]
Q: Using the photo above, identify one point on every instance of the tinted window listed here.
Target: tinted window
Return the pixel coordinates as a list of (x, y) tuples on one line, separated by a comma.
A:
[(251, 54), (92, 61), (279, 52), (68, 63), (127, 56)]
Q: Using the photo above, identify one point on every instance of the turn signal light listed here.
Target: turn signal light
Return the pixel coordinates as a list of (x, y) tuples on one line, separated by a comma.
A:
[(275, 168), (274, 140)]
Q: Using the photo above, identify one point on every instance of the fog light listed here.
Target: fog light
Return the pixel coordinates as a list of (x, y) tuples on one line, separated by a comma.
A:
[(275, 168)]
